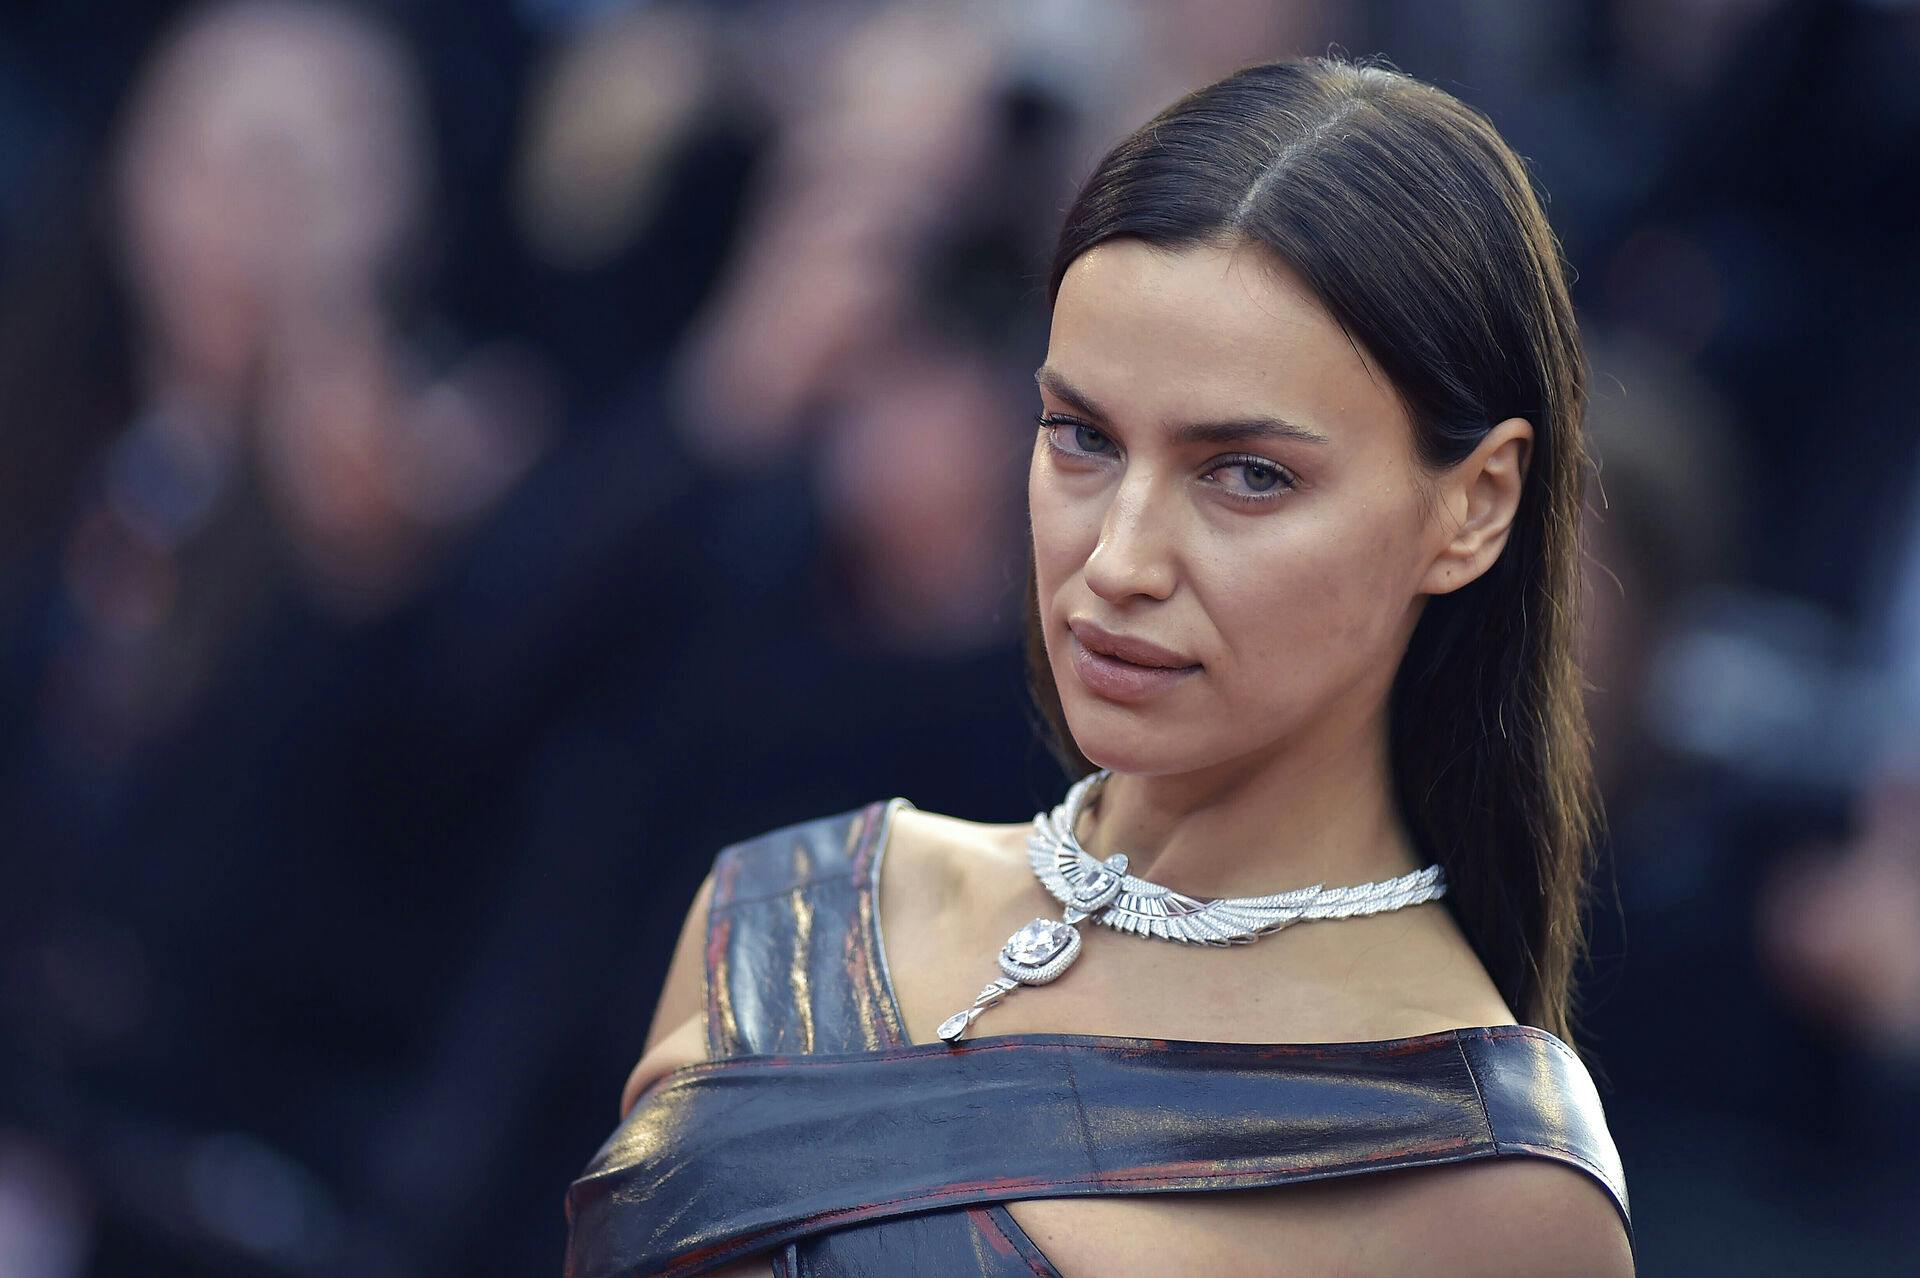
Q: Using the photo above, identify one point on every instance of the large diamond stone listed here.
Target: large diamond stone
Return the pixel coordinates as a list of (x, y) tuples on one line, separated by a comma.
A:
[(1038, 942), (1090, 889)]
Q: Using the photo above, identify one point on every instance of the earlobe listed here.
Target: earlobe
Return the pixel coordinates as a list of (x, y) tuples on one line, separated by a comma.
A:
[(1483, 494)]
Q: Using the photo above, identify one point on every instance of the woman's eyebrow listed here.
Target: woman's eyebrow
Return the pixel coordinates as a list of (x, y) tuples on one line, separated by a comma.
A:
[(1234, 431)]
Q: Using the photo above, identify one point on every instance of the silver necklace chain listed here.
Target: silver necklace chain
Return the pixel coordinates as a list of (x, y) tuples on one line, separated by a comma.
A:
[(1088, 887)]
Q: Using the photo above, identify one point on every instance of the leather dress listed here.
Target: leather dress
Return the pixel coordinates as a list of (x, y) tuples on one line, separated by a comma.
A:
[(816, 1131)]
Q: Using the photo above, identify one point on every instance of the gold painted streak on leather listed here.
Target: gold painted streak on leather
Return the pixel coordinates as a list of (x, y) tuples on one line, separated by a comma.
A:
[(797, 962), (878, 1026)]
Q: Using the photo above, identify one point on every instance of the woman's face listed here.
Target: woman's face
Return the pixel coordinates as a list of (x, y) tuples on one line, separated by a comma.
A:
[(1224, 476)]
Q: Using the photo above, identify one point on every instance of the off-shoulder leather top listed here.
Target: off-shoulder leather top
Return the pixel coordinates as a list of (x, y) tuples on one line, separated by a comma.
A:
[(818, 1131)]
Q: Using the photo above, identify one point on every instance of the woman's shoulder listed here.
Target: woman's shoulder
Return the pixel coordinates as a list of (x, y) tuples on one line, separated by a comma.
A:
[(826, 846), (933, 848)]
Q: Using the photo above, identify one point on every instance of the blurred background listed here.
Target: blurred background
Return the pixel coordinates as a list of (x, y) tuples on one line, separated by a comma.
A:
[(466, 463)]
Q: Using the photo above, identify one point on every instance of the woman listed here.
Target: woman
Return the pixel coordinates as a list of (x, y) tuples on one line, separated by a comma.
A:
[(1304, 502)]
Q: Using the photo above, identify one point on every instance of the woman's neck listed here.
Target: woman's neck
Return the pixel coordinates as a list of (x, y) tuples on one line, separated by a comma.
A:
[(1312, 811)]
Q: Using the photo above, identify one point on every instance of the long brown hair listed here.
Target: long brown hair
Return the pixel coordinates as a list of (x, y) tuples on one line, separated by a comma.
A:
[(1420, 232)]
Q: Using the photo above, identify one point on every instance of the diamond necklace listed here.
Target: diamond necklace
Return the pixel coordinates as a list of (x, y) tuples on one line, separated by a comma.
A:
[(1089, 887)]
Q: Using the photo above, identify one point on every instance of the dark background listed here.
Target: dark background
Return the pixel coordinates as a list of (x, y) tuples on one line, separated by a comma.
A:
[(466, 463)]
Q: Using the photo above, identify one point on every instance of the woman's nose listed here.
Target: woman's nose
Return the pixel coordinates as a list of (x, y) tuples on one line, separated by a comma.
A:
[(1134, 555)]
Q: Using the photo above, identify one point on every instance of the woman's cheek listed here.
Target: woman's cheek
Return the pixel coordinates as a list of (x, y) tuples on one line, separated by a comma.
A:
[(1059, 531), (1302, 612)]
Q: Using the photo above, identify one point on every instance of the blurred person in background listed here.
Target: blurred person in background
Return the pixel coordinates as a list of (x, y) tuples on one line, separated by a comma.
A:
[(1843, 920), (201, 923), (271, 185), (1839, 919), (1728, 952)]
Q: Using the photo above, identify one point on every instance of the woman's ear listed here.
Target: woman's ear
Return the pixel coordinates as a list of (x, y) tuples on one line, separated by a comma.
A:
[(1477, 500)]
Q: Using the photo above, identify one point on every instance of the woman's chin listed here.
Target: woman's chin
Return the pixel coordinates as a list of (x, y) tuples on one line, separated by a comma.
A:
[(1132, 749)]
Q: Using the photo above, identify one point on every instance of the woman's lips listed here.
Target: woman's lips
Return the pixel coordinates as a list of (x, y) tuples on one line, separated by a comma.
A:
[(1119, 680)]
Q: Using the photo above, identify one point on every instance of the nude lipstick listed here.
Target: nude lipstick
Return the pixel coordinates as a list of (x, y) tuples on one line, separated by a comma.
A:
[(1097, 661)]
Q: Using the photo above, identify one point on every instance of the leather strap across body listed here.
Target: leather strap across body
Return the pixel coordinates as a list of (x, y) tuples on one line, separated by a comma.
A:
[(818, 1132)]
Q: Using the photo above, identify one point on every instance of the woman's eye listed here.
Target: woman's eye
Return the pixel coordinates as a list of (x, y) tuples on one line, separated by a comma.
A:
[(1080, 437), (1261, 478), (1087, 439)]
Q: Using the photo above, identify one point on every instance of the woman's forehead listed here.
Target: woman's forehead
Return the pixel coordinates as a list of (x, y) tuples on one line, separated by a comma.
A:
[(1209, 333)]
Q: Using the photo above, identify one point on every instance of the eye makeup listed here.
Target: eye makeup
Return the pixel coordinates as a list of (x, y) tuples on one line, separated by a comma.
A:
[(1282, 480)]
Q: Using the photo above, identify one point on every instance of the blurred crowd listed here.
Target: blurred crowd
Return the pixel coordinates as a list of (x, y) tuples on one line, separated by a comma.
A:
[(466, 463)]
